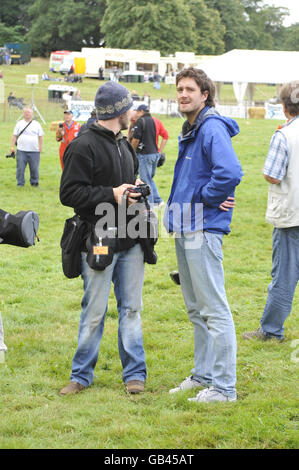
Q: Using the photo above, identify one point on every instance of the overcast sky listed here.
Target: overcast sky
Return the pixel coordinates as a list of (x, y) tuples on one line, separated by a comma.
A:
[(292, 5)]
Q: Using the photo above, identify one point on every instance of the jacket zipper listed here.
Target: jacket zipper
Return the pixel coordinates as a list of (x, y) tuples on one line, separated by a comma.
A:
[(119, 152)]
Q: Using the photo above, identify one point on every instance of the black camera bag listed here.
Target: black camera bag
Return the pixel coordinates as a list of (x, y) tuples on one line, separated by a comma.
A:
[(161, 160), (148, 227), (19, 229), (71, 244)]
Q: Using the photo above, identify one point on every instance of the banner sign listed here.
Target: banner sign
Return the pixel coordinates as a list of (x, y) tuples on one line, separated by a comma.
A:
[(81, 109), (274, 111)]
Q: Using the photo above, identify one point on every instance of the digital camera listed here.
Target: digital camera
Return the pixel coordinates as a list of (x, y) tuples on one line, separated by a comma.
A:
[(11, 155), (144, 189)]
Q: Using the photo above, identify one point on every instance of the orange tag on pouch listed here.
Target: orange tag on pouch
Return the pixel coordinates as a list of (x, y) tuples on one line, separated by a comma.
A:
[(100, 250)]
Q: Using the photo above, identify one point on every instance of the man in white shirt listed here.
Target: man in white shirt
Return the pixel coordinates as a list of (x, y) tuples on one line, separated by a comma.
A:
[(28, 137)]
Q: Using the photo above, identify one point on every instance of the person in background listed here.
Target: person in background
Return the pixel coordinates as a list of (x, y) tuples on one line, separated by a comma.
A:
[(11, 98), (144, 142), (28, 137), (163, 133), (45, 76), (101, 73), (146, 99), (281, 171), (91, 120), (135, 96), (67, 98), (160, 132), (77, 96), (66, 132)]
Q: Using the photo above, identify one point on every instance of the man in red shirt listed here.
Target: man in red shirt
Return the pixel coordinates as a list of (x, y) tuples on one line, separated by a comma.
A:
[(67, 131), (160, 132)]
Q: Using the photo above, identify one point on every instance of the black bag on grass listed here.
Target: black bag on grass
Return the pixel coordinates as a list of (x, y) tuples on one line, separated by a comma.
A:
[(19, 229)]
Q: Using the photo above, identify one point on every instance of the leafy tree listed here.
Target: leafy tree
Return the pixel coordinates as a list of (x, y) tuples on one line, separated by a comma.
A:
[(80, 22), (10, 34), (209, 29), (232, 16), (289, 38), (265, 24), (64, 25), (166, 26), (14, 13)]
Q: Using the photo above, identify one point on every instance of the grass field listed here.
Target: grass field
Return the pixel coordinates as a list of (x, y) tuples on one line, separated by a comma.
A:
[(41, 309)]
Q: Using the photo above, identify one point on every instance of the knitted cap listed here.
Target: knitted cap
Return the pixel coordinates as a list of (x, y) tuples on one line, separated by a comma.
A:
[(112, 100)]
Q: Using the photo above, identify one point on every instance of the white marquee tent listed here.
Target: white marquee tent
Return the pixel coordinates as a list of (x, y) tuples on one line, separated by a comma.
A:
[(245, 68)]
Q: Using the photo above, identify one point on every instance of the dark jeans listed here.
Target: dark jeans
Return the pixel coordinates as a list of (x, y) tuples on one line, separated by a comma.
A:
[(32, 158)]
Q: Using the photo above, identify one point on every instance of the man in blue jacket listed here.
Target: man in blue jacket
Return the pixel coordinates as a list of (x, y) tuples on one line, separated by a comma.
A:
[(199, 212)]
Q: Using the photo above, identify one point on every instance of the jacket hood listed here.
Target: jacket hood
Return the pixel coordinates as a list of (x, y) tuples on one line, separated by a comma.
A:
[(204, 115)]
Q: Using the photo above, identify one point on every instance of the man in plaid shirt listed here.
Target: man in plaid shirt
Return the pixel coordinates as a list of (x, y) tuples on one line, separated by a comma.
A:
[(281, 170), (277, 160)]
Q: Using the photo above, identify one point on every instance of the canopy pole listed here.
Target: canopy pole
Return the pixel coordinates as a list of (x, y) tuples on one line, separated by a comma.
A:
[(250, 93)]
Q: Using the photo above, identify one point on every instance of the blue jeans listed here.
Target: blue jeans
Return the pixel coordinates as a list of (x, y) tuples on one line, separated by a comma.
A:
[(126, 272), (285, 276), (199, 256), (147, 169), (24, 158)]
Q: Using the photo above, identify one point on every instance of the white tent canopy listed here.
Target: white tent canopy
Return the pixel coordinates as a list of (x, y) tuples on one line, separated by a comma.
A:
[(249, 67)]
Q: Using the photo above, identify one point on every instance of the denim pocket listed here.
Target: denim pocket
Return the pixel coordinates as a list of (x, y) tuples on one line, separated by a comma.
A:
[(214, 242)]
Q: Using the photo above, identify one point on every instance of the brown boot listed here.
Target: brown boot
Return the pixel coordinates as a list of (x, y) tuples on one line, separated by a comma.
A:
[(72, 388), (135, 386)]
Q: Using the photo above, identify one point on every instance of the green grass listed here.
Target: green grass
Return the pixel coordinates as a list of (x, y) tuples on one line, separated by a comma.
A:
[(41, 309)]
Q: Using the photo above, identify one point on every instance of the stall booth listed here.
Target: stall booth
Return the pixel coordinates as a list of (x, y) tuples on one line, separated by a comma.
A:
[(55, 92), (132, 77)]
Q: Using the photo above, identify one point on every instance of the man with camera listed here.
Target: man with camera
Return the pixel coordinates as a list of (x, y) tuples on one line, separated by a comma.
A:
[(145, 144), (199, 212), (66, 132), (28, 137), (100, 169)]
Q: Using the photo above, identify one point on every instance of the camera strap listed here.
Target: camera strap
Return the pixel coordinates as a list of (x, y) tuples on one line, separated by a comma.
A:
[(23, 130)]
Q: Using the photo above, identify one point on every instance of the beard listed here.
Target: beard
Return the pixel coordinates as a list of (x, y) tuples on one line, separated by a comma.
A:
[(124, 121)]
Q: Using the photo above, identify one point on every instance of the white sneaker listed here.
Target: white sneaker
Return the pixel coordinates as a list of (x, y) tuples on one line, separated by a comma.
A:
[(210, 394), (188, 383)]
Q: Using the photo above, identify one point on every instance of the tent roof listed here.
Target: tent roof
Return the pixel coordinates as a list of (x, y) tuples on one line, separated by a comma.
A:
[(252, 66)]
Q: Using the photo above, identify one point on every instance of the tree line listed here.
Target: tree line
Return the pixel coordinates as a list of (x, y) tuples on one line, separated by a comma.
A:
[(201, 26)]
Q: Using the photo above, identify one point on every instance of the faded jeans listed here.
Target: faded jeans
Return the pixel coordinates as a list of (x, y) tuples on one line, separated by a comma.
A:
[(32, 159), (199, 256), (127, 273), (285, 277), (147, 169)]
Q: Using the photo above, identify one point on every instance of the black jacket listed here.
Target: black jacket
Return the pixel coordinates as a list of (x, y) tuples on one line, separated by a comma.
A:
[(94, 163)]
